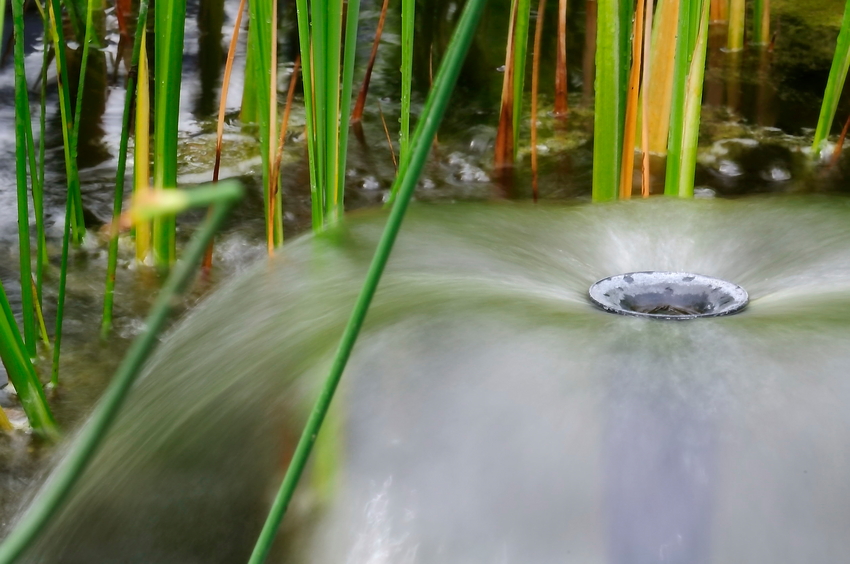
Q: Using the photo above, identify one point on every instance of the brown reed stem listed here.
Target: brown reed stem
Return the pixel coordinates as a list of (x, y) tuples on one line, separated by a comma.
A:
[(360, 105), (561, 107), (535, 85)]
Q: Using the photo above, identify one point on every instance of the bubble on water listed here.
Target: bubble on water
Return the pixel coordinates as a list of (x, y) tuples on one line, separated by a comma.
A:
[(730, 168), (776, 173), (371, 183)]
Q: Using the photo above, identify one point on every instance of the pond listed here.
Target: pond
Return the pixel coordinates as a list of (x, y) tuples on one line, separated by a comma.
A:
[(490, 413)]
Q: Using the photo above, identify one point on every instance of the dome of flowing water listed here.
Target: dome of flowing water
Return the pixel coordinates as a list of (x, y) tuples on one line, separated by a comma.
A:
[(490, 413)]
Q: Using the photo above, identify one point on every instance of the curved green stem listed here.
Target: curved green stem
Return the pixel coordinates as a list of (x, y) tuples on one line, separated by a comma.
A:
[(423, 137), (57, 488)]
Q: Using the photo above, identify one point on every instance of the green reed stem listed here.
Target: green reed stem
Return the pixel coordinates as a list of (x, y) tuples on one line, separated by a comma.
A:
[(169, 16), (520, 57), (352, 20), (320, 93), (835, 84), (305, 41), (677, 104), (260, 46), (22, 373), (2, 16), (22, 122), (408, 16), (610, 94), (693, 107), (56, 490), (333, 47), (71, 170), (75, 134), (761, 22), (38, 195), (737, 17), (426, 129), (118, 194), (63, 281)]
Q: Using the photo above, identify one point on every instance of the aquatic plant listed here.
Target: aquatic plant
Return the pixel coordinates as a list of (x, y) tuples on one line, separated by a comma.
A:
[(423, 137), (835, 84), (170, 202)]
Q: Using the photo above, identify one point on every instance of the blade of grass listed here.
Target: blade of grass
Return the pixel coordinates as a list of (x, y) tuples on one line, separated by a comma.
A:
[(357, 115), (332, 50), (432, 114), (284, 124), (761, 22), (305, 42), (75, 136), (693, 106), (656, 99), (677, 102), (55, 490), (835, 83), (141, 159), (737, 17), (352, 20), (142, 148), (645, 187), (535, 86), (520, 56), (387, 135), (719, 10), (630, 126), (71, 171), (504, 146), (561, 106), (408, 12), (839, 145), (588, 62), (607, 128), (22, 374), (169, 24), (22, 122), (38, 195)]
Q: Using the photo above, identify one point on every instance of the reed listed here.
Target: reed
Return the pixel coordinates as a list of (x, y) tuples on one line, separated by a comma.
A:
[(505, 135), (737, 17), (142, 146), (561, 105), (22, 373), (169, 17), (69, 209), (141, 161), (761, 22), (360, 105), (834, 85), (631, 119), (693, 102), (408, 12), (520, 57), (657, 97), (421, 144), (262, 43), (681, 68), (38, 175), (56, 490), (535, 87), (71, 170), (610, 97), (327, 72), (22, 123)]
